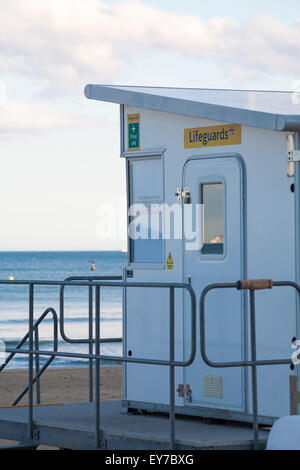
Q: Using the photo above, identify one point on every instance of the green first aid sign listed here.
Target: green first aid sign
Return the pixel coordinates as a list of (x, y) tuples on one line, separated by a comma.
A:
[(133, 131)]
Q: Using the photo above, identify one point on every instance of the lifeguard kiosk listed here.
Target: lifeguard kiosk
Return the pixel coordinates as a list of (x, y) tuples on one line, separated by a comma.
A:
[(235, 153)]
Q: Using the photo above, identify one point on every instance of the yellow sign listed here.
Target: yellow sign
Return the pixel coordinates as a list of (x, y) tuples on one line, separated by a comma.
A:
[(215, 136), (133, 121), (170, 263)]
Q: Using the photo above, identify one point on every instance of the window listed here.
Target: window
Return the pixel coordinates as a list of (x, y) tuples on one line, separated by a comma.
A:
[(145, 190), (212, 198)]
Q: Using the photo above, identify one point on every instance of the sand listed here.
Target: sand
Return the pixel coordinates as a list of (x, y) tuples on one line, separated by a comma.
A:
[(61, 385)]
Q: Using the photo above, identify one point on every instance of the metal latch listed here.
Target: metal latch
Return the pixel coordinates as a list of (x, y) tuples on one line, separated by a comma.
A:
[(293, 155), (187, 196), (35, 435), (182, 392)]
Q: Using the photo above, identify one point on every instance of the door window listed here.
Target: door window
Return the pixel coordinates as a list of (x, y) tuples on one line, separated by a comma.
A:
[(212, 198)]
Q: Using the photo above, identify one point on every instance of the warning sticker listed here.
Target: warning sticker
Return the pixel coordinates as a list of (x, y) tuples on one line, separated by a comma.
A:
[(170, 263)]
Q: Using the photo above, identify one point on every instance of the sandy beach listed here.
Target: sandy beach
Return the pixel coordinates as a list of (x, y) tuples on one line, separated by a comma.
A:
[(61, 385)]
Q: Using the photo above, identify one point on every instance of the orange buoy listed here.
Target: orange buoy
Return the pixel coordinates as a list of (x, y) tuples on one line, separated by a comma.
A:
[(93, 268)]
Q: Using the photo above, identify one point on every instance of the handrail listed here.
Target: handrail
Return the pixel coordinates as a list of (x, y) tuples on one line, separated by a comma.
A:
[(25, 338), (252, 286), (90, 341), (62, 316), (39, 372), (47, 364), (97, 357)]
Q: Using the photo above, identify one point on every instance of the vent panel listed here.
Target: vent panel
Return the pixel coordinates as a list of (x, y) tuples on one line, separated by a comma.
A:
[(213, 386)]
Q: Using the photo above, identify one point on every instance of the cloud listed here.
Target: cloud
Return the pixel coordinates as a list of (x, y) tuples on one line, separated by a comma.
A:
[(72, 42), (23, 117)]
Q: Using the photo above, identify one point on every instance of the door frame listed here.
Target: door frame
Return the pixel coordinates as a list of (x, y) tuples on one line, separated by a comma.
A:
[(244, 252)]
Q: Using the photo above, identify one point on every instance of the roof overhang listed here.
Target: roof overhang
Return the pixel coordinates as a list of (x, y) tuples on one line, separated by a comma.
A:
[(136, 96)]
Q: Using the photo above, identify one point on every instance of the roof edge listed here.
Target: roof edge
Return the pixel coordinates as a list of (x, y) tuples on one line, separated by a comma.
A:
[(87, 91), (202, 110), (291, 123)]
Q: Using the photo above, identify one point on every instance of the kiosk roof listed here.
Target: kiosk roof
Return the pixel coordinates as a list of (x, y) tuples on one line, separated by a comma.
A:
[(275, 110)]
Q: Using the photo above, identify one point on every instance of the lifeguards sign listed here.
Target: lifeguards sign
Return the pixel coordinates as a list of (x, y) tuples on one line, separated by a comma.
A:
[(213, 136), (133, 131)]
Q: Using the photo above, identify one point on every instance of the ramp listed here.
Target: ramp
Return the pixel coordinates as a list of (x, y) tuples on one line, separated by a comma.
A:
[(72, 427)]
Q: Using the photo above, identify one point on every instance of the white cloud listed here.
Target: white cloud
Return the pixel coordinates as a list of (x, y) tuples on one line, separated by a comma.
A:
[(72, 42), (23, 117)]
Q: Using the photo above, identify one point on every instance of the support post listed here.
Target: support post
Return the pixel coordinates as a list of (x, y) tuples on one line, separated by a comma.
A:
[(37, 366), (297, 238), (172, 370), (91, 346), (30, 366), (97, 378), (254, 369), (294, 395)]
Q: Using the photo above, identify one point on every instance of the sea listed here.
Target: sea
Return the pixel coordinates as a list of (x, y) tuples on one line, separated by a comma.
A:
[(57, 266)]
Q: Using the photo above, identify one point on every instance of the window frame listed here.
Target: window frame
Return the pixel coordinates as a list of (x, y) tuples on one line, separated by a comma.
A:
[(139, 156)]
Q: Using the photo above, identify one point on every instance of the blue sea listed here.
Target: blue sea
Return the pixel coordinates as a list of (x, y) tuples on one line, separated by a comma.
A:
[(58, 266)]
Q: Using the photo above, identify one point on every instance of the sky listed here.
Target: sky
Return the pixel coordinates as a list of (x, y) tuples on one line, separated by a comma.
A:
[(60, 153)]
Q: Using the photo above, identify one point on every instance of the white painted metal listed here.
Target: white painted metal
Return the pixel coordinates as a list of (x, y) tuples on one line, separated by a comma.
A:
[(268, 207), (270, 253), (225, 312)]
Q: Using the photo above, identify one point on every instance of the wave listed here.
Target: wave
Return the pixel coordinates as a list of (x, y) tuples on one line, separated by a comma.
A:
[(12, 342), (23, 321)]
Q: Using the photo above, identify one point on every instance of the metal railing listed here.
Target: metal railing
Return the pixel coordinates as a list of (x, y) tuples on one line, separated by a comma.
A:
[(253, 363), (91, 340), (171, 363), (39, 371)]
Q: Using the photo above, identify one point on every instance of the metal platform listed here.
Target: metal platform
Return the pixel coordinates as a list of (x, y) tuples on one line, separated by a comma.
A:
[(72, 427)]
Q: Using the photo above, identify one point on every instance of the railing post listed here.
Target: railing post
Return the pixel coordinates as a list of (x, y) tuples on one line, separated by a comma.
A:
[(30, 366), (254, 369), (91, 346), (172, 370), (97, 378), (37, 366)]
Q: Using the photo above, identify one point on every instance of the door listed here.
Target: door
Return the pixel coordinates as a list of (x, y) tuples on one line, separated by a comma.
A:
[(216, 186)]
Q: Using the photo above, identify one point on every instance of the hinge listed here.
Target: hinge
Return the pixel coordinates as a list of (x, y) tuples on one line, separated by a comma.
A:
[(185, 194), (293, 155), (182, 392), (178, 194)]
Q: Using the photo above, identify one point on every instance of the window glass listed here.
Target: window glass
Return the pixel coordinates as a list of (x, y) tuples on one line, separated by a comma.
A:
[(213, 218), (146, 188)]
